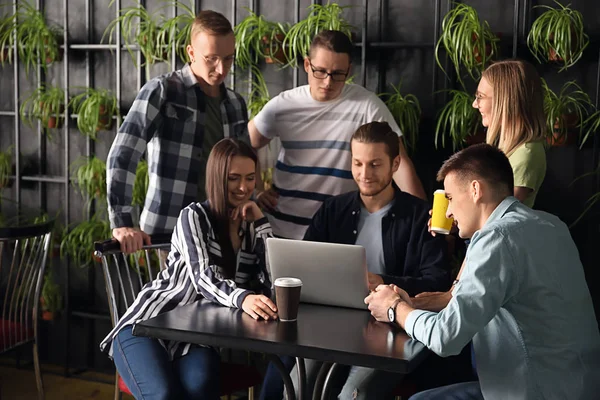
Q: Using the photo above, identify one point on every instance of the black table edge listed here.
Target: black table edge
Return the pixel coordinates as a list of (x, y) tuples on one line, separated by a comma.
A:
[(285, 349)]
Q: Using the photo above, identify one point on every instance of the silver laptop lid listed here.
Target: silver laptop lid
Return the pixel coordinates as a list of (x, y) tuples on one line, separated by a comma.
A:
[(331, 274)]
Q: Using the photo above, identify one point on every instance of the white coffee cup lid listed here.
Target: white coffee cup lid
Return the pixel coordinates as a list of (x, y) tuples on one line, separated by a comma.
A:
[(288, 282)]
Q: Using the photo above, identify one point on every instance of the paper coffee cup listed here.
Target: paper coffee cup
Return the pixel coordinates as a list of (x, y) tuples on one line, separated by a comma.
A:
[(439, 222), (287, 297)]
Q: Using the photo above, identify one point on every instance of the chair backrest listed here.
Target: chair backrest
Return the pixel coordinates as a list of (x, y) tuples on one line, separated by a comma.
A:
[(23, 255), (125, 275)]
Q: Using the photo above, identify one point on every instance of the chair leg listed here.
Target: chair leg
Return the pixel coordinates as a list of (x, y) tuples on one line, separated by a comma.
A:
[(117, 391), (38, 372), (251, 393)]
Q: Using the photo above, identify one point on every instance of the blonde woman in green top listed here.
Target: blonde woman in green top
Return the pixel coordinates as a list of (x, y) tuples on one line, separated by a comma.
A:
[(510, 100)]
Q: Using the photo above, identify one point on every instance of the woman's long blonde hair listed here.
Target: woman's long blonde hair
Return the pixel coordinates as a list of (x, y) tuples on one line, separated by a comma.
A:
[(517, 105)]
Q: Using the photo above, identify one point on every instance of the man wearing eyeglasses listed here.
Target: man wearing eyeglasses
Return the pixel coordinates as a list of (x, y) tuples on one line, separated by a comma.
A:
[(315, 123), (178, 117)]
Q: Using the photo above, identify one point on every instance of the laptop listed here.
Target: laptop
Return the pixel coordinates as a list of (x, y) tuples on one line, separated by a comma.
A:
[(332, 274)]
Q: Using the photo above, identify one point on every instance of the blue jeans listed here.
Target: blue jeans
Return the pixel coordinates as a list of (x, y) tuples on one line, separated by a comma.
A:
[(272, 387), (350, 382), (147, 371), (458, 391)]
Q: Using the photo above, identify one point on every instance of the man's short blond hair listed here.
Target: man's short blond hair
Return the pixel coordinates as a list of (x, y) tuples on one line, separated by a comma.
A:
[(211, 22)]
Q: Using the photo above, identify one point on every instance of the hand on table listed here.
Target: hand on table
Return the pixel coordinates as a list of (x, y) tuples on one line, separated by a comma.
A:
[(382, 299), (259, 306)]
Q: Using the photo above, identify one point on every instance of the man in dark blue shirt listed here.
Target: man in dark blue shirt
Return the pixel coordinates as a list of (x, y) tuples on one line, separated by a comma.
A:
[(392, 226)]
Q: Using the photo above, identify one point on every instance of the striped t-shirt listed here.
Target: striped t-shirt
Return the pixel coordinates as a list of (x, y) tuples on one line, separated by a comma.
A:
[(315, 161), (193, 273)]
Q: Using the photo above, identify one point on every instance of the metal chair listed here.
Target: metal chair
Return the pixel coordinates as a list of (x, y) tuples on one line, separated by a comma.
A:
[(125, 276), (23, 255)]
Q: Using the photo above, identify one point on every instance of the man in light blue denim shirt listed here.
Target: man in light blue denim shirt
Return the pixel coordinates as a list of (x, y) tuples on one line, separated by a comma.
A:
[(522, 297)]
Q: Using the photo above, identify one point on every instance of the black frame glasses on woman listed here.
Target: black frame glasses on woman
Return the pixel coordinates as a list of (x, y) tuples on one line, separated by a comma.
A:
[(335, 76)]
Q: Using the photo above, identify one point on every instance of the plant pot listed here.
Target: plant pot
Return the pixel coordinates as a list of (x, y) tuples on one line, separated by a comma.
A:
[(61, 52), (279, 56), (477, 52), (552, 55), (59, 58), (4, 55), (477, 138), (47, 315), (9, 181), (55, 120), (564, 139), (104, 120)]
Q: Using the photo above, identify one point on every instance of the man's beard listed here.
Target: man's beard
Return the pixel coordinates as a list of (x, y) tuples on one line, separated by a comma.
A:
[(376, 191)]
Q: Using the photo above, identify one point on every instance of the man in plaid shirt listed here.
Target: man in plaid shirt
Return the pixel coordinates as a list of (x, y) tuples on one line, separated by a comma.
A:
[(178, 117)]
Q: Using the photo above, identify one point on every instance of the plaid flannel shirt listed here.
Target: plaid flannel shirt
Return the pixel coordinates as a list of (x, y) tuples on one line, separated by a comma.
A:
[(167, 117)]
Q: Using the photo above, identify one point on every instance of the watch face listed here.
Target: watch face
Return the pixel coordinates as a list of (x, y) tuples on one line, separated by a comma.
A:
[(391, 314)]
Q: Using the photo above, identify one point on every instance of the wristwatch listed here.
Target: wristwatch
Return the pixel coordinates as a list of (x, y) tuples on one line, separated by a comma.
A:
[(392, 310)]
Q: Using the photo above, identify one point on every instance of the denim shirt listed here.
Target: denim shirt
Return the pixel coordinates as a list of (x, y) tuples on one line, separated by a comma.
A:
[(524, 301)]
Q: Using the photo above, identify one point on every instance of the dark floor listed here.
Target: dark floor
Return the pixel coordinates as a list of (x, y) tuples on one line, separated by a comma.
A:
[(19, 384)]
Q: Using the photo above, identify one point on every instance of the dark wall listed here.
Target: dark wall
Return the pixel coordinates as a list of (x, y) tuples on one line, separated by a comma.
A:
[(405, 21)]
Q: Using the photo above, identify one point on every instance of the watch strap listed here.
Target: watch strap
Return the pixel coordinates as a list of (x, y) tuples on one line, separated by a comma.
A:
[(393, 307)]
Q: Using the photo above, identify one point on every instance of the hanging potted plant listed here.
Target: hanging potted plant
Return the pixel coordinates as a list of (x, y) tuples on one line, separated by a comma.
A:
[(256, 38), (458, 119), (5, 167), (95, 109), (557, 35), (89, 176), (258, 97), (39, 42), (272, 45), (259, 92), (46, 104), (407, 114), (320, 17), (140, 185), (7, 38), (591, 126), (140, 28), (468, 42), (51, 299), (592, 200), (176, 31), (565, 113), (78, 243)]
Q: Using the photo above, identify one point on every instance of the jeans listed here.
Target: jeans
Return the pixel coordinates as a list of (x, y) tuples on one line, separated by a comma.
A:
[(458, 391), (350, 382), (272, 387), (144, 366)]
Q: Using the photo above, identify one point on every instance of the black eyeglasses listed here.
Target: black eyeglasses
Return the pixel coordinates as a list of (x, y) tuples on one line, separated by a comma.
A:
[(322, 74)]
